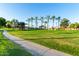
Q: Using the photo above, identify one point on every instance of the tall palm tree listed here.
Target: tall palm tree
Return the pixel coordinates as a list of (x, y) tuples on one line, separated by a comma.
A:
[(48, 18), (36, 21), (59, 19), (28, 20), (45, 24), (53, 19), (42, 18), (32, 21)]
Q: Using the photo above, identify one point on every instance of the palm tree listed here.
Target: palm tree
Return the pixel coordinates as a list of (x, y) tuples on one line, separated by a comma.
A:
[(59, 18), (48, 18), (28, 20), (32, 21), (42, 18), (36, 21), (45, 24), (53, 19)]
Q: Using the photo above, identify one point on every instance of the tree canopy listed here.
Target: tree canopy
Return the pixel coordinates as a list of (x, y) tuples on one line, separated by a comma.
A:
[(2, 21), (64, 23), (21, 25), (74, 25)]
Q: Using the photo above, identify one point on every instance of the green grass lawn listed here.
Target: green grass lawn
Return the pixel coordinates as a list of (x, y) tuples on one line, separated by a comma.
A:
[(66, 41), (8, 48)]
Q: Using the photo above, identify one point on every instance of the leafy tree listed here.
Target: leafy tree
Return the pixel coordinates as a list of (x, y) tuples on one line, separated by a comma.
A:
[(2, 21), (21, 25), (8, 24), (74, 25), (64, 23), (15, 23)]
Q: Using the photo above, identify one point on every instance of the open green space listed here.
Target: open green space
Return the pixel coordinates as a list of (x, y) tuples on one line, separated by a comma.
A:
[(63, 40), (8, 48)]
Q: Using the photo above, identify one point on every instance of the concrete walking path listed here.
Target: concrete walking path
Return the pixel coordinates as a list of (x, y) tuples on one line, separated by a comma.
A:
[(34, 48)]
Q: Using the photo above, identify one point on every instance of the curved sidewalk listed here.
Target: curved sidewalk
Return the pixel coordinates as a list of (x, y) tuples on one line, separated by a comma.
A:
[(33, 48)]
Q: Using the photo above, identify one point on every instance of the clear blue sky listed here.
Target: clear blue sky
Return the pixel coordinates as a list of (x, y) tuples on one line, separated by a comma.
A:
[(22, 11)]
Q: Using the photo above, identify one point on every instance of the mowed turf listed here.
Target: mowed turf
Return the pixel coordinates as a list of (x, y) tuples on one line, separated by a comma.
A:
[(63, 40), (8, 48)]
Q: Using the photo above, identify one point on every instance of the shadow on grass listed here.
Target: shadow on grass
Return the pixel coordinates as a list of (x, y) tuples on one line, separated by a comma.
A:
[(17, 52)]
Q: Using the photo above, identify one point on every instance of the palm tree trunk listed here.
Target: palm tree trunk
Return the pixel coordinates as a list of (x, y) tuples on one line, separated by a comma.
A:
[(47, 23), (58, 24), (53, 24), (31, 23), (36, 23), (41, 22), (28, 24)]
